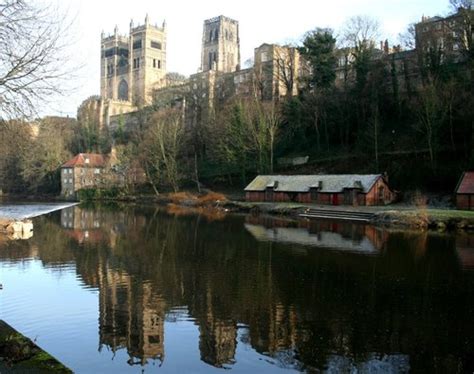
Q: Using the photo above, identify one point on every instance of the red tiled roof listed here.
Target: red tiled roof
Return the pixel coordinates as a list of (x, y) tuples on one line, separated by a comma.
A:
[(95, 160), (466, 184)]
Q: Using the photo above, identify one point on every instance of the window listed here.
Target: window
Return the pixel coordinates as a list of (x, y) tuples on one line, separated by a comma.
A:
[(136, 63), (455, 47), (155, 44), (264, 56), (70, 180), (123, 90), (70, 171), (109, 52), (212, 59), (65, 180), (159, 64), (96, 171), (87, 160), (154, 63), (137, 44)]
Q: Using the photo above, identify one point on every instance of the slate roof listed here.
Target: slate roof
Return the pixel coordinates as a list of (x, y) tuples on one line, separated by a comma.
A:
[(95, 160), (302, 183), (466, 184)]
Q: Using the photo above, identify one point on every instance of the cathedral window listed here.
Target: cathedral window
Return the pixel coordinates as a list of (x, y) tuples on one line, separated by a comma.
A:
[(123, 90), (155, 44), (154, 63), (159, 64), (137, 44), (136, 63)]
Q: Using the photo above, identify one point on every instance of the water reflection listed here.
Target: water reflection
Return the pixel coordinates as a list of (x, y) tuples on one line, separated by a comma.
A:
[(363, 239), (309, 295)]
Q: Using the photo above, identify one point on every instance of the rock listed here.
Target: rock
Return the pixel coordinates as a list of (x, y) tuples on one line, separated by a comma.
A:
[(20, 229), (441, 226), (15, 227)]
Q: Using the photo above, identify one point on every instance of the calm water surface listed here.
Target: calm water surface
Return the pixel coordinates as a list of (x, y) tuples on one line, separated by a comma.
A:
[(133, 290)]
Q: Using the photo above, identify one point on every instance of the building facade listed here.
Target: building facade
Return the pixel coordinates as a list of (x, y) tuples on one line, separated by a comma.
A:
[(134, 74), (220, 49), (465, 192), (347, 189), (133, 64), (85, 170)]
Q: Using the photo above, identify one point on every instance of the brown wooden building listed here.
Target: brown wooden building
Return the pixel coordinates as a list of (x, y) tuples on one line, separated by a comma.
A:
[(465, 191), (349, 189)]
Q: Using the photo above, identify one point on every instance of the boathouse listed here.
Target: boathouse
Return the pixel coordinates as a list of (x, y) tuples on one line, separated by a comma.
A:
[(465, 191), (348, 189)]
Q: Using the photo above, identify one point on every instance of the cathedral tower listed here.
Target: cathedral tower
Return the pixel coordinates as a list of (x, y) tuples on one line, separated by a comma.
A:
[(220, 45), (132, 65)]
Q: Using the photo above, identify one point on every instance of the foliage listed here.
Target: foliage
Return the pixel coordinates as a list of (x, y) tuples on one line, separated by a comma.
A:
[(89, 194), (319, 50)]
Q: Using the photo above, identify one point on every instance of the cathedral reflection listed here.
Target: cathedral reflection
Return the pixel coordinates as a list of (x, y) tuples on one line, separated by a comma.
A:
[(310, 295)]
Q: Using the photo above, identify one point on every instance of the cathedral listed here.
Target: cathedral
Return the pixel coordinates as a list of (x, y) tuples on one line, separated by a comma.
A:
[(134, 73)]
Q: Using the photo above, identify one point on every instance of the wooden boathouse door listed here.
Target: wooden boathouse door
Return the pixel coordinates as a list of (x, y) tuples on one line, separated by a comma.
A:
[(335, 200), (269, 194)]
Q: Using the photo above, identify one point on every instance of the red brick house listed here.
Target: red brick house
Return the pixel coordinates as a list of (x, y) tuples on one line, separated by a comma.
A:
[(465, 191), (348, 189)]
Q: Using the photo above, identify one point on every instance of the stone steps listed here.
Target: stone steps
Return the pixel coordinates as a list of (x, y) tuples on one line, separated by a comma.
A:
[(344, 215)]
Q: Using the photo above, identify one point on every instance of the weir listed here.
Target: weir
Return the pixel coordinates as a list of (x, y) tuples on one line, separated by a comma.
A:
[(15, 219)]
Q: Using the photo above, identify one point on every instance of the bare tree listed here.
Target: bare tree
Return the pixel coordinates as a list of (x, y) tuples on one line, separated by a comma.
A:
[(163, 148), (408, 37), (32, 56), (286, 67), (359, 35), (361, 32)]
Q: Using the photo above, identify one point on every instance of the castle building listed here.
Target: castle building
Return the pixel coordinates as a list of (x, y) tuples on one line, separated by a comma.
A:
[(131, 65)]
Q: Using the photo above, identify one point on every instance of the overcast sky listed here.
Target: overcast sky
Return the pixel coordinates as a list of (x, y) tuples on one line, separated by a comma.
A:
[(271, 21)]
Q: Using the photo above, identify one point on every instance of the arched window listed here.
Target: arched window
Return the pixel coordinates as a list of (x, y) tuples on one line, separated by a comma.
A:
[(216, 34), (123, 90)]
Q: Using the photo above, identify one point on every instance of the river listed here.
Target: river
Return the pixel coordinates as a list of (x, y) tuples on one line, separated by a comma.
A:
[(138, 289)]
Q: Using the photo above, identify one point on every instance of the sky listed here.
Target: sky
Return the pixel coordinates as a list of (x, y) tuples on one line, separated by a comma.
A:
[(261, 21)]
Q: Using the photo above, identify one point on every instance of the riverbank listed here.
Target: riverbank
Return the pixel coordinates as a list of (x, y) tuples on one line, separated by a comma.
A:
[(214, 204), (397, 215), (18, 354)]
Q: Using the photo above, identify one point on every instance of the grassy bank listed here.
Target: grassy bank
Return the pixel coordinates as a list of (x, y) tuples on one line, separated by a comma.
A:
[(428, 218), (18, 354)]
